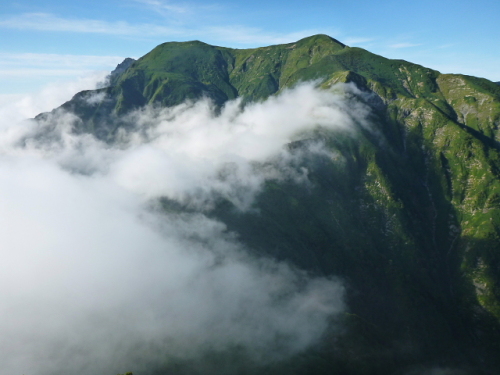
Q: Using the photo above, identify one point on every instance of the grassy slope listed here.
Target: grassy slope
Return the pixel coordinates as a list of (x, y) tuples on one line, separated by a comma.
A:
[(423, 274)]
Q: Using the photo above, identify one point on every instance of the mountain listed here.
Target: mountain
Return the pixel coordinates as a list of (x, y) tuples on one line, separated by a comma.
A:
[(119, 70), (410, 219)]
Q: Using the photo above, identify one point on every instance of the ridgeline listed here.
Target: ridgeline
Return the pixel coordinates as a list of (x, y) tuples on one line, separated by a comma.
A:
[(410, 219)]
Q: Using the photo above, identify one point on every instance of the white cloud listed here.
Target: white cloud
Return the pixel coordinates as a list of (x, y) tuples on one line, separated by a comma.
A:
[(14, 108), (94, 280), (356, 40), (188, 146), (18, 69), (49, 22), (404, 45), (55, 61), (39, 73), (226, 33), (253, 35), (165, 7)]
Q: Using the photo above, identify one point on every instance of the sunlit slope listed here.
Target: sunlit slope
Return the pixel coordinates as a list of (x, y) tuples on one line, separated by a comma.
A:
[(408, 214)]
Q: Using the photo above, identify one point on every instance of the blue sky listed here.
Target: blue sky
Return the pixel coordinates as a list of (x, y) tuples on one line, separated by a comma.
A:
[(44, 41)]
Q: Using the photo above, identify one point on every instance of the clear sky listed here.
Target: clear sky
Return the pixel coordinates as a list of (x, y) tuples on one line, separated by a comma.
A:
[(44, 41)]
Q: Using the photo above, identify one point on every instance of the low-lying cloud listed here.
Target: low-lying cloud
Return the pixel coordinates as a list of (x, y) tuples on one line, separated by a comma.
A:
[(15, 108), (95, 278)]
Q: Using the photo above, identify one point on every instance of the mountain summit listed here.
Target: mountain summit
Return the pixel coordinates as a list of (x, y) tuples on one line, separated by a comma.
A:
[(410, 219)]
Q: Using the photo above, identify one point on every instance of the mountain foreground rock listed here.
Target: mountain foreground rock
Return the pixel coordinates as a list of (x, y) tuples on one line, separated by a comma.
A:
[(408, 216)]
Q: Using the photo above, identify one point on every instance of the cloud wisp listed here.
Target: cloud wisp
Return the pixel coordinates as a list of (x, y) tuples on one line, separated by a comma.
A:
[(404, 45), (96, 278), (56, 60), (230, 33), (17, 69), (15, 108), (165, 7), (50, 22)]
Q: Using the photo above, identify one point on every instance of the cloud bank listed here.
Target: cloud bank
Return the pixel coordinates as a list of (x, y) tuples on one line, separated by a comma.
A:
[(97, 278)]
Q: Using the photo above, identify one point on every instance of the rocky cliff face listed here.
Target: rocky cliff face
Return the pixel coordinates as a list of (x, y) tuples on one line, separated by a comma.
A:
[(408, 214)]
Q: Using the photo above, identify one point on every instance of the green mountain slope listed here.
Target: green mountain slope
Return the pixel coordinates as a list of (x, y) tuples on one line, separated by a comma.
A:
[(410, 219)]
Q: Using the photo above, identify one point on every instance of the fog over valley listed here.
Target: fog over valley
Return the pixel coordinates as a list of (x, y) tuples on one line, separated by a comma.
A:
[(98, 278)]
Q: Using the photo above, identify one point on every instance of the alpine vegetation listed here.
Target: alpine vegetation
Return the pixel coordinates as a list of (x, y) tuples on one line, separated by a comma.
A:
[(306, 208)]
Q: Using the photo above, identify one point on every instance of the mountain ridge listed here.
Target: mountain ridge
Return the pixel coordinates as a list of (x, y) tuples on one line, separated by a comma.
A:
[(423, 272)]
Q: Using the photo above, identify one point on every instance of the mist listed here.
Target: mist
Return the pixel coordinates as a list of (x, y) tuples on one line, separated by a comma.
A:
[(96, 278), (15, 108)]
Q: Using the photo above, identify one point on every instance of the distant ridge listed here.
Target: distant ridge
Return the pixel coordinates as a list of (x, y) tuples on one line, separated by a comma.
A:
[(119, 70)]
